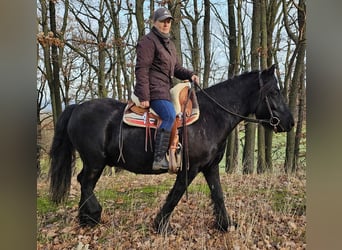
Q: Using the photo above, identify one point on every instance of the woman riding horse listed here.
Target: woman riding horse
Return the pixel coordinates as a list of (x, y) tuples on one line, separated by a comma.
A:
[(93, 129)]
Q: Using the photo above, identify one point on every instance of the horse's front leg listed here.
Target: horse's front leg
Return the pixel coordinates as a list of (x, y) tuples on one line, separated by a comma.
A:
[(89, 207), (223, 221), (161, 222)]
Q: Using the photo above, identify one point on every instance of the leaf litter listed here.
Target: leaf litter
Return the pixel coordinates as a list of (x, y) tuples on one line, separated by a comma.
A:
[(270, 211)]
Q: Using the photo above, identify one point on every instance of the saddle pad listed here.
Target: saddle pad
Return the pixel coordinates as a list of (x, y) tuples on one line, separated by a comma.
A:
[(140, 117), (146, 119)]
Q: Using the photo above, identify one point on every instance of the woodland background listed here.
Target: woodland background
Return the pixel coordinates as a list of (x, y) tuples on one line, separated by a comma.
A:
[(86, 50)]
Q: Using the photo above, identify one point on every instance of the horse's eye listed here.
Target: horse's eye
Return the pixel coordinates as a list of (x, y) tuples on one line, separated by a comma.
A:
[(275, 93)]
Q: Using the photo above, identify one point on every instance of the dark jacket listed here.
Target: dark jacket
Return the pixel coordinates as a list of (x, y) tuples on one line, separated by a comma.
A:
[(157, 63)]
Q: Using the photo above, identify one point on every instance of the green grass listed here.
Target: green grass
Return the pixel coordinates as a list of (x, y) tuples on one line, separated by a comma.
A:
[(287, 202), (199, 188), (132, 198), (278, 150), (45, 205)]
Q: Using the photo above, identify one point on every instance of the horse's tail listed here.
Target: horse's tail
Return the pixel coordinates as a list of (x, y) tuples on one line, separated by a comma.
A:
[(62, 157)]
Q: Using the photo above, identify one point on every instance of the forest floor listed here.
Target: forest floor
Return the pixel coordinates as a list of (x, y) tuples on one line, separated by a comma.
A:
[(270, 210)]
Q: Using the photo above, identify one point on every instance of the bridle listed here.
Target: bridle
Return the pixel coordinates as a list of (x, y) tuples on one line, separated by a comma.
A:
[(273, 121)]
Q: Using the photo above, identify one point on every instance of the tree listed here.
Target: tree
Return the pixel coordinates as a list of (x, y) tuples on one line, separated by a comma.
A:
[(272, 20), (248, 150), (232, 149), (87, 17), (206, 43), (261, 164), (300, 41), (50, 39), (139, 15), (120, 46), (175, 10), (192, 36)]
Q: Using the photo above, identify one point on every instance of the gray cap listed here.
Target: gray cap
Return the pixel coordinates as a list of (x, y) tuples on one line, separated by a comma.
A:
[(161, 14)]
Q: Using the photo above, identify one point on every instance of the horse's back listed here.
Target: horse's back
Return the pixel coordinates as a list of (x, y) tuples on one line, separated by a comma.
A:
[(95, 112), (90, 121)]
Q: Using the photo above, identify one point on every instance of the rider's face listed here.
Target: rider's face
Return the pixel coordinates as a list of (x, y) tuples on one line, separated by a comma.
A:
[(163, 26)]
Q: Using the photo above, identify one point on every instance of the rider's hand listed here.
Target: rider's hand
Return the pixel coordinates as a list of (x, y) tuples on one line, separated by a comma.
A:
[(144, 104), (195, 79)]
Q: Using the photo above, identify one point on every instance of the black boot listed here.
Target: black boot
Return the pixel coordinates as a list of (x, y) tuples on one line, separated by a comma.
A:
[(160, 148)]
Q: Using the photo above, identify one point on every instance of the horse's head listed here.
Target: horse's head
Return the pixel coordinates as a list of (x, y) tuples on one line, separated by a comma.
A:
[(271, 106)]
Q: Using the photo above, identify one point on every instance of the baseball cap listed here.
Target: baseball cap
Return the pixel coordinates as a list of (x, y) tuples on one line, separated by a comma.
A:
[(161, 14)]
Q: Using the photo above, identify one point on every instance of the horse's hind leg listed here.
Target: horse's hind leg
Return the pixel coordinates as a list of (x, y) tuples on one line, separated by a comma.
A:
[(212, 177), (161, 222), (89, 208)]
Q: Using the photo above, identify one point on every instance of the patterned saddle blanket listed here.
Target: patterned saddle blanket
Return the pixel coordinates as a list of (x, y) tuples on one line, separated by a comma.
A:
[(184, 100)]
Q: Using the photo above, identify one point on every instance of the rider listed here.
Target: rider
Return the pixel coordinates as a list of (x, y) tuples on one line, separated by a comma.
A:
[(156, 65)]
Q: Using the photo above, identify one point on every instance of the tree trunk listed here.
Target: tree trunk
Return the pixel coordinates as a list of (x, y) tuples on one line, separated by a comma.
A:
[(139, 15), (261, 165), (101, 43), (232, 150), (272, 10), (299, 68), (120, 49), (39, 138), (206, 44), (192, 36), (54, 82), (195, 50), (174, 8), (248, 150), (298, 136)]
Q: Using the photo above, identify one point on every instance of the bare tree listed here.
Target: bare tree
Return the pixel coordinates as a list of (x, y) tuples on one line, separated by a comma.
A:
[(206, 43), (232, 149), (120, 45), (300, 41), (51, 40), (248, 150), (272, 20), (94, 23), (261, 164), (192, 34), (139, 15)]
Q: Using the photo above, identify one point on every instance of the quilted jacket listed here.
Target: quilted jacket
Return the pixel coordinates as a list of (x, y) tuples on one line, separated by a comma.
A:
[(157, 63)]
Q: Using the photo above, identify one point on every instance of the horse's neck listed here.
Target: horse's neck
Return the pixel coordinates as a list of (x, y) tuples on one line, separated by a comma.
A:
[(236, 97)]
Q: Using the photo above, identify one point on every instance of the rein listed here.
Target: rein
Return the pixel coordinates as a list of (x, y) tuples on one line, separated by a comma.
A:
[(273, 121), (185, 143)]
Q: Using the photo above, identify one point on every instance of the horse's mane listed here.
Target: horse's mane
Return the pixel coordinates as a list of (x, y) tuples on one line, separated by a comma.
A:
[(238, 78), (244, 74)]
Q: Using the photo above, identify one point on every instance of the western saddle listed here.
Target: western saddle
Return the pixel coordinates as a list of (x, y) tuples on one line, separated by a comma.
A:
[(186, 106)]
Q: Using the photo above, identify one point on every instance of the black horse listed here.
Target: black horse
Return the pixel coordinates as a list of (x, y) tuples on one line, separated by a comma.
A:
[(95, 129)]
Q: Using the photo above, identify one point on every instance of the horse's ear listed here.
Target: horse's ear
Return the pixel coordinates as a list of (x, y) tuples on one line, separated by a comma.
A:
[(271, 69)]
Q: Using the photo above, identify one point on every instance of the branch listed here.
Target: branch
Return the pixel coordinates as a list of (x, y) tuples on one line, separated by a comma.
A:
[(286, 22)]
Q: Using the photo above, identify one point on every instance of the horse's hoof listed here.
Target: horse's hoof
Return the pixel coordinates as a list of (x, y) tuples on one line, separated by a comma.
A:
[(87, 221), (222, 228), (163, 228), (235, 225), (226, 227), (167, 230)]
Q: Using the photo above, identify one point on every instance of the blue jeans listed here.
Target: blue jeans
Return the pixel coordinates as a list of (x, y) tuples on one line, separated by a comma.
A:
[(166, 111)]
